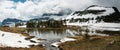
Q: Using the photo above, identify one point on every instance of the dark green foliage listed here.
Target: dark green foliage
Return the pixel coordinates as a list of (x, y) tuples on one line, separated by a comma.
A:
[(31, 24), (72, 20), (45, 24), (55, 24), (113, 17)]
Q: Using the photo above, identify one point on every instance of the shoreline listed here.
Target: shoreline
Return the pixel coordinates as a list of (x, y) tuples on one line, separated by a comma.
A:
[(66, 27), (8, 34), (15, 30), (68, 45), (93, 43)]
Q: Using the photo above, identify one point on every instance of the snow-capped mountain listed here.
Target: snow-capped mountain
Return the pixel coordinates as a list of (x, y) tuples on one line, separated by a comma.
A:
[(97, 13), (97, 16), (8, 20)]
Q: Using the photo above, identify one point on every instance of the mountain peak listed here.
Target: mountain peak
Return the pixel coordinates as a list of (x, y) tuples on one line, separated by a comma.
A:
[(94, 11), (116, 10), (97, 13)]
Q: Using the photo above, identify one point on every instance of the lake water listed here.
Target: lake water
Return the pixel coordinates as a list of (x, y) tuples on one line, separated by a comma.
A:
[(54, 35)]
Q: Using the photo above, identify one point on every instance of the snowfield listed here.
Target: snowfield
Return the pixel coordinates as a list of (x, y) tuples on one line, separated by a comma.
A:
[(8, 39), (108, 11), (106, 26), (99, 26)]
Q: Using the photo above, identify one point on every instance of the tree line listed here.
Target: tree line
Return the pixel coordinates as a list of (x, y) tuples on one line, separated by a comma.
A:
[(45, 24)]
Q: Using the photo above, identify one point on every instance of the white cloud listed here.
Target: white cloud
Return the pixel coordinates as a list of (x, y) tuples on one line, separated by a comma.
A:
[(7, 10), (31, 8)]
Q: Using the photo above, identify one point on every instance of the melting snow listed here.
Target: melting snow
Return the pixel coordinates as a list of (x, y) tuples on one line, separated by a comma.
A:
[(24, 26), (107, 12), (67, 39), (56, 44), (99, 26), (8, 39)]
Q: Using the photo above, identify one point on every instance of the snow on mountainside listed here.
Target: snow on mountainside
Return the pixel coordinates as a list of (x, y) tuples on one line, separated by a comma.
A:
[(92, 11), (96, 16)]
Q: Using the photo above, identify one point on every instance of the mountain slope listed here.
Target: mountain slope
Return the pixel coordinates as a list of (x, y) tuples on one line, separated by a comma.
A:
[(96, 13), (97, 16)]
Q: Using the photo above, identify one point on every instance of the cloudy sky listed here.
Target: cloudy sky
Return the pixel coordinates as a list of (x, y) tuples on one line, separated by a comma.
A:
[(27, 9)]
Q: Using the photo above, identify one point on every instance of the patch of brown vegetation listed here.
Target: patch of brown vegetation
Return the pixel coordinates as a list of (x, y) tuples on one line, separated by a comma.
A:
[(78, 38), (32, 48), (30, 37), (94, 43), (14, 30)]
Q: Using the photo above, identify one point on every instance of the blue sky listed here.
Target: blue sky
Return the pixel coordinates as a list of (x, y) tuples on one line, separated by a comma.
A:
[(19, 0)]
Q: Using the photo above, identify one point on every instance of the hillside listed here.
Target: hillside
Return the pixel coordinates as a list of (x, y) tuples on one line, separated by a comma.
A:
[(96, 17)]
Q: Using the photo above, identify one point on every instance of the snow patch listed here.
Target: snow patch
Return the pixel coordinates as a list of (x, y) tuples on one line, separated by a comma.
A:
[(106, 26), (8, 39), (108, 11), (56, 44), (98, 26), (67, 39), (24, 26)]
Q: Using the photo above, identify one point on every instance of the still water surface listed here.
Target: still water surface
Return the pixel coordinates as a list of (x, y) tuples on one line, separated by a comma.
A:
[(54, 35)]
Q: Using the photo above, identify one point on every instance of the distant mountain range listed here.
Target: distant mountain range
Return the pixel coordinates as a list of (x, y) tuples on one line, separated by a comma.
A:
[(10, 20)]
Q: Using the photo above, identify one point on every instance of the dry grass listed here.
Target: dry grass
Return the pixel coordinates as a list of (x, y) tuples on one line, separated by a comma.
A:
[(14, 30), (32, 48), (94, 43)]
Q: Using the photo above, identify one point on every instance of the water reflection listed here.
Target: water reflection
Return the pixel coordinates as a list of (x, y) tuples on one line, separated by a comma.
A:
[(51, 34), (54, 35)]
